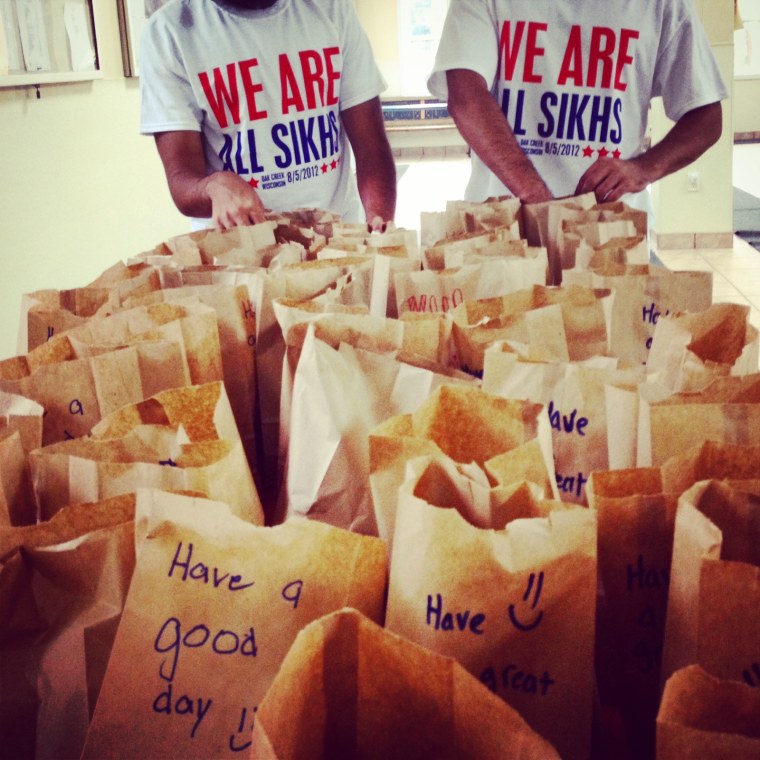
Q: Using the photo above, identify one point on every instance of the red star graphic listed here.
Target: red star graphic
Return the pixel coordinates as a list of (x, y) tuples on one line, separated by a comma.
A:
[(333, 164), (602, 152), (323, 168), (253, 182), (588, 151), (616, 153)]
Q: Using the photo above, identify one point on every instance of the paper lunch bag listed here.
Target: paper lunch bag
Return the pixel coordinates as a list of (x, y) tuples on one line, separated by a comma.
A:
[(441, 291), (635, 518), (515, 606), (213, 608), (630, 250), (46, 313), (560, 324), (574, 396), (462, 218), (338, 396), (449, 252), (299, 282), (642, 296), (725, 411), (636, 511), (713, 617), (183, 439), (702, 718), (236, 321), (506, 441), (77, 392), (190, 323), (348, 688), (62, 588), (543, 224), (16, 499), (20, 432), (689, 350)]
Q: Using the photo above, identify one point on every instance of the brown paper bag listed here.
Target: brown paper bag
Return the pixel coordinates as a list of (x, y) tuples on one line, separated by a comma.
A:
[(463, 247), (77, 392), (207, 246), (338, 396), (189, 322), (543, 222), (636, 516), (574, 396), (213, 608), (20, 433), (726, 411), (348, 688), (643, 294), (441, 291), (702, 718), (24, 415), (515, 606), (57, 624), (182, 439), (299, 283), (690, 350), (500, 443), (236, 321), (625, 251), (527, 320), (714, 597), (49, 312), (635, 538), (710, 461), (469, 217), (16, 498)]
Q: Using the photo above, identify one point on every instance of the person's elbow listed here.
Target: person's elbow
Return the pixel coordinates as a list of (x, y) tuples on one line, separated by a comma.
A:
[(464, 88)]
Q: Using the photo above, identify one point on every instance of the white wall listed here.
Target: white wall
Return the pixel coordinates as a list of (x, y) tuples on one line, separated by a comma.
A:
[(684, 218), (81, 189)]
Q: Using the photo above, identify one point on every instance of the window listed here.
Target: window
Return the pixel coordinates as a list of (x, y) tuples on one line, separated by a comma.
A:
[(420, 23)]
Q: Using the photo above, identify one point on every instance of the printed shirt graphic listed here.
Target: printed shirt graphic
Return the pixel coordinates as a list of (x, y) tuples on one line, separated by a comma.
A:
[(266, 89), (575, 79)]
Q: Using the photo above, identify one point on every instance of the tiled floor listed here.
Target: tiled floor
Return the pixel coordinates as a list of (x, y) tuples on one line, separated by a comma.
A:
[(427, 185)]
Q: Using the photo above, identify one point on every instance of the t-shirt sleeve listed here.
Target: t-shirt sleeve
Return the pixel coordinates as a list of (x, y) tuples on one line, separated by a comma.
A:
[(167, 101), (470, 40), (361, 79), (686, 74)]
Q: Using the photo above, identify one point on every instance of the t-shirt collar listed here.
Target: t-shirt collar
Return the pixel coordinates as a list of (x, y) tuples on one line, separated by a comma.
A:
[(273, 10)]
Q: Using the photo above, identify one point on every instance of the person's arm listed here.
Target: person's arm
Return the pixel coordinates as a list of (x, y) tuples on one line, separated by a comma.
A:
[(375, 169), (486, 130), (224, 196), (688, 139)]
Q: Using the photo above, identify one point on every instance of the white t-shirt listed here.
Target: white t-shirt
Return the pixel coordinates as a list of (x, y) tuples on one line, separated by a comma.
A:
[(265, 88), (574, 78)]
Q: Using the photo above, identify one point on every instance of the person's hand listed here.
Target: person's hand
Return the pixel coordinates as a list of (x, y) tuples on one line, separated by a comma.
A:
[(233, 201), (378, 224), (611, 178)]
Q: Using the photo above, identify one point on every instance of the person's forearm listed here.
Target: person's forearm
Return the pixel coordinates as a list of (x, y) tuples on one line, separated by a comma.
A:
[(375, 168), (688, 139), (377, 188), (487, 132), (189, 190)]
